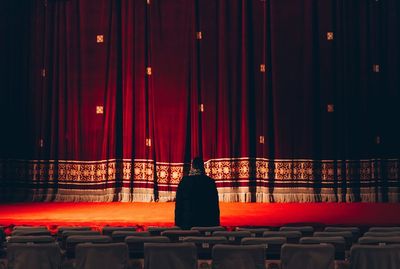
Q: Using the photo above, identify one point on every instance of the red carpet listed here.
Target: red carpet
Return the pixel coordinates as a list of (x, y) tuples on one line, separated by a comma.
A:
[(232, 214)]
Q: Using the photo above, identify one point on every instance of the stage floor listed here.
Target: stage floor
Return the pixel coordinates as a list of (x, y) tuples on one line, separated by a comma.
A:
[(232, 214)]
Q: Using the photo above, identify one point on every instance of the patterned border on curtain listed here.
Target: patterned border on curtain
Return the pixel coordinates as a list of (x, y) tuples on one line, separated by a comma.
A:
[(238, 180)]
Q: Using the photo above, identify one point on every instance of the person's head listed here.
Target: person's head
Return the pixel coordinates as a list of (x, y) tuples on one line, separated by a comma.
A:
[(198, 164)]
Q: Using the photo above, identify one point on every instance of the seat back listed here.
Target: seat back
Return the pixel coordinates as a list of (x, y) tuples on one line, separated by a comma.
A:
[(305, 230), (170, 256), (347, 235), (68, 233), (207, 231), (40, 239), (382, 240), (136, 244), (30, 231), (73, 240), (255, 232), (338, 242), (272, 245), (291, 236), (234, 237), (316, 256), (61, 229), (384, 229), (119, 236), (178, 235), (354, 230), (205, 244), (375, 257), (108, 230), (157, 230), (33, 256), (238, 257), (381, 234), (101, 256)]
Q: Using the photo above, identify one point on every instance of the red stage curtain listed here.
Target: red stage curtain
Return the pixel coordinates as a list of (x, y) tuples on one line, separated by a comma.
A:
[(287, 101)]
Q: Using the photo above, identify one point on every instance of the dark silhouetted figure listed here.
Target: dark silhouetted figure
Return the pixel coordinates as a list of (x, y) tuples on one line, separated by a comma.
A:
[(196, 199)]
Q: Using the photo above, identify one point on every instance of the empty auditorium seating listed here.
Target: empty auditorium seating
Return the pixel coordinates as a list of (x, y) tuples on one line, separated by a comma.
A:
[(33, 256), (375, 257), (238, 257), (272, 245), (205, 244), (338, 242), (315, 256), (207, 231), (305, 230), (170, 256), (101, 256), (136, 244), (291, 236)]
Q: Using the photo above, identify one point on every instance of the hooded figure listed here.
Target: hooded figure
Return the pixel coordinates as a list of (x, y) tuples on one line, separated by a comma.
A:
[(196, 199)]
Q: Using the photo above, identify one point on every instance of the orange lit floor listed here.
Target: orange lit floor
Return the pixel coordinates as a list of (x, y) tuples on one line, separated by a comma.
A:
[(232, 214)]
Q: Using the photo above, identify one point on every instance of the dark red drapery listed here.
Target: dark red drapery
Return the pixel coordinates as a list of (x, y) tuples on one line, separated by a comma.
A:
[(286, 100)]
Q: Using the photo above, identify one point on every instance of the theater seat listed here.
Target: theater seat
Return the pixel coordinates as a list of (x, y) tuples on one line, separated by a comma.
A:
[(375, 257), (157, 230), (74, 240), (347, 235), (61, 229), (354, 230), (207, 231), (205, 244), (33, 256), (291, 236), (307, 256), (305, 230), (136, 244), (170, 256), (108, 230), (102, 256), (234, 237), (381, 234), (338, 242), (119, 236), (66, 234), (255, 232), (31, 232), (178, 235), (42, 239), (375, 240), (272, 245), (238, 257), (384, 229)]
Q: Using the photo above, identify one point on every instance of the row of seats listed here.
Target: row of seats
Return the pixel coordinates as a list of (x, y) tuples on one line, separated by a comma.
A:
[(184, 256), (205, 240)]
